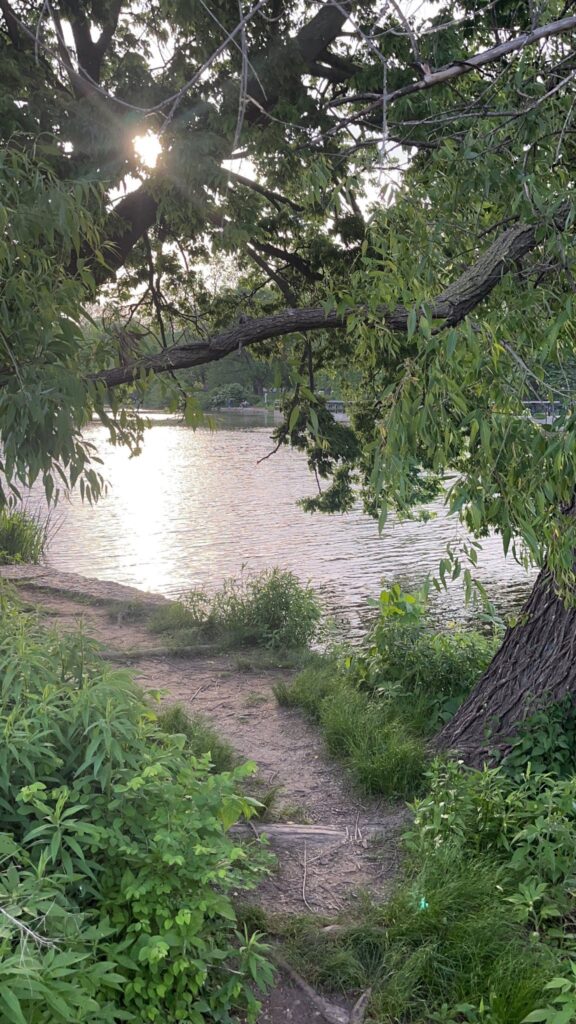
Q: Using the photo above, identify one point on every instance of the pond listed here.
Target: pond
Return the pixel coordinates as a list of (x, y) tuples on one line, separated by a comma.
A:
[(198, 506)]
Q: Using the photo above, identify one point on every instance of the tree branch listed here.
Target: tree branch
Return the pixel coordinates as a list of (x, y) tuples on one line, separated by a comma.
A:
[(274, 275), (12, 25), (131, 218), (91, 53), (450, 307), (461, 67), (138, 211), (275, 197), (292, 258)]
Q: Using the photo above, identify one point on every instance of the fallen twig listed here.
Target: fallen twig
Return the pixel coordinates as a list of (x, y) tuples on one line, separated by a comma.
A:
[(40, 940), (304, 900), (360, 1007)]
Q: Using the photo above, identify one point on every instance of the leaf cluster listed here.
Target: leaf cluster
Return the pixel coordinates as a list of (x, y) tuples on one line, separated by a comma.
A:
[(117, 865)]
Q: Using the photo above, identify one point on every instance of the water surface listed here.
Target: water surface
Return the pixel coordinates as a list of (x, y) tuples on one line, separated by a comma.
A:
[(197, 506)]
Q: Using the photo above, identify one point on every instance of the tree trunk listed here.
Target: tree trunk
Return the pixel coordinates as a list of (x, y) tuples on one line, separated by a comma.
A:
[(535, 666)]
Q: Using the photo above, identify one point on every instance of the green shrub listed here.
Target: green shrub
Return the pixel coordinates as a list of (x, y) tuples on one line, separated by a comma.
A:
[(544, 742), (22, 537), (117, 865), (428, 670), (271, 609), (378, 706), (529, 826)]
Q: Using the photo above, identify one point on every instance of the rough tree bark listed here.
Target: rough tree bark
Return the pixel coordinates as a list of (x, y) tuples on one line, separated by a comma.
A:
[(535, 666)]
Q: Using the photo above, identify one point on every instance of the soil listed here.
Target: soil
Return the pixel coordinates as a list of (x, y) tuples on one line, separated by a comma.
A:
[(309, 786)]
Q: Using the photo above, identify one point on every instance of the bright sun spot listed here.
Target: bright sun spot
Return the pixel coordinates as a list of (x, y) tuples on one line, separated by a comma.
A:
[(148, 147)]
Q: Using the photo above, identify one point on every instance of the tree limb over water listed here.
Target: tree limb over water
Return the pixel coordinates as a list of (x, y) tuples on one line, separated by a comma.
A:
[(449, 308)]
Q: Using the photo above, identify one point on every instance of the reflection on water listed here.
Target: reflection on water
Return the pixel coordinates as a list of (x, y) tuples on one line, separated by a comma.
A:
[(197, 507)]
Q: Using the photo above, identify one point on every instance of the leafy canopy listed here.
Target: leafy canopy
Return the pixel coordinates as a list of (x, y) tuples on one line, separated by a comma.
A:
[(402, 221)]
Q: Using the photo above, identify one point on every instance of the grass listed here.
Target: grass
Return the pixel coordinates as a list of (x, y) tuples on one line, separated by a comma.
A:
[(380, 749), (255, 699), (129, 611), (201, 737), (378, 708), (23, 537), (271, 610), (480, 927), (266, 659), (297, 814), (463, 946)]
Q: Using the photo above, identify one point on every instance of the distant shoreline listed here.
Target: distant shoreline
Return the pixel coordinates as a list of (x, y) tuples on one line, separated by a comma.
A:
[(247, 410)]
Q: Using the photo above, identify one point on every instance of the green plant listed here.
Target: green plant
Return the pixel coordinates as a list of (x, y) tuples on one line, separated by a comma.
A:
[(176, 616), (377, 707), (561, 1008), (443, 948), (407, 660), (117, 864), (545, 741), (129, 611), (201, 737), (22, 537), (310, 687), (480, 927), (271, 609), (255, 698)]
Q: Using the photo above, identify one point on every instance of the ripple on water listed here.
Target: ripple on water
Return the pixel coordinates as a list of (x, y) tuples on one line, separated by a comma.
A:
[(196, 507)]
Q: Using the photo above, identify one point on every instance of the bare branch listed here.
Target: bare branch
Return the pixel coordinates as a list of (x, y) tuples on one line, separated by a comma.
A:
[(273, 275), (275, 197), (461, 67), (40, 940)]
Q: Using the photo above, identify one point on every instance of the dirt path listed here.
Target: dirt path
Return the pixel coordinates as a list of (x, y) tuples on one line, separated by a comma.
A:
[(311, 788)]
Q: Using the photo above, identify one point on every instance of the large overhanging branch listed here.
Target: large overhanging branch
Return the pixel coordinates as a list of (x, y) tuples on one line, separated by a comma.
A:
[(457, 68), (449, 308)]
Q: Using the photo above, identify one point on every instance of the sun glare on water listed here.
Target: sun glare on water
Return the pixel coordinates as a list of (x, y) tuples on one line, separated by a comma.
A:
[(148, 147)]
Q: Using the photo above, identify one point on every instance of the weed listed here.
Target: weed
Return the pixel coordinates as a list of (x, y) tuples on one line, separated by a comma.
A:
[(267, 797), (546, 742), (311, 686), (117, 865), (298, 814), (449, 946), (23, 537), (271, 610), (378, 707), (129, 611), (171, 618)]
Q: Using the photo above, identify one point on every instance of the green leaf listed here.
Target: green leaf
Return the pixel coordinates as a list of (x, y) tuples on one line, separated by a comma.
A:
[(12, 1008)]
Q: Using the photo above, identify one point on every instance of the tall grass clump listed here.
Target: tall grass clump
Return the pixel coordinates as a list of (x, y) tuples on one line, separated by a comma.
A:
[(379, 706), (480, 929), (117, 869), (271, 609), (22, 537)]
